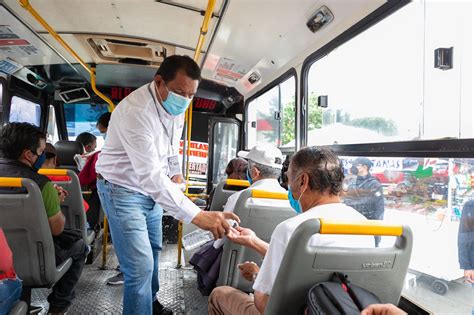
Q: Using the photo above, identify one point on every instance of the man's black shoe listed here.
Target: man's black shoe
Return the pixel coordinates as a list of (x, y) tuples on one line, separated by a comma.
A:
[(159, 309)]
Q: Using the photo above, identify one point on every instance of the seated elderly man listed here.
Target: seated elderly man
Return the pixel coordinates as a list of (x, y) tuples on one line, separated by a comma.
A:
[(264, 168), (263, 171), (314, 183)]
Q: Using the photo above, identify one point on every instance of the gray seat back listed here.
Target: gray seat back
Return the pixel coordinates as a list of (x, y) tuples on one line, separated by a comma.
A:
[(222, 192), (25, 223), (65, 152), (379, 270), (262, 220), (73, 206)]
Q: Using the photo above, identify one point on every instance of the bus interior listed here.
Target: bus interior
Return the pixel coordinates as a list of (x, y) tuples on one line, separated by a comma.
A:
[(390, 80)]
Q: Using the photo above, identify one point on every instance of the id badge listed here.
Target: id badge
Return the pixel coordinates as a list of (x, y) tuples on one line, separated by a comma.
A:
[(173, 164)]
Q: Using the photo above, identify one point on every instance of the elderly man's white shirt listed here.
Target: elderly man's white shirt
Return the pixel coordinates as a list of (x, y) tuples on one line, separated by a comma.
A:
[(141, 137), (283, 232)]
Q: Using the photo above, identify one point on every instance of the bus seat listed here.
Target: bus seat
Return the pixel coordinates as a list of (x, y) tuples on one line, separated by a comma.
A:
[(20, 308), (65, 152), (27, 230), (73, 206), (223, 190), (380, 270), (262, 219)]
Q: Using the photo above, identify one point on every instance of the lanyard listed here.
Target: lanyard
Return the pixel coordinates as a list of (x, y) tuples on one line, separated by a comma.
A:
[(170, 138)]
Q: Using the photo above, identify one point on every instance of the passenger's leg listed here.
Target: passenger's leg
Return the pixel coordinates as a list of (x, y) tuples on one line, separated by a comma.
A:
[(154, 225), (10, 292), (228, 300), (127, 214), (63, 291)]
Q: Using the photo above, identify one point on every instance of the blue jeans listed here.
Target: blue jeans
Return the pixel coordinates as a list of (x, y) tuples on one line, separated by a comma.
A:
[(10, 292), (135, 225)]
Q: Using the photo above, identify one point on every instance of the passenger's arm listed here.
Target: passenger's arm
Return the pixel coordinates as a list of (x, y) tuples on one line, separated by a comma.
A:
[(261, 301), (56, 223), (248, 238), (53, 210)]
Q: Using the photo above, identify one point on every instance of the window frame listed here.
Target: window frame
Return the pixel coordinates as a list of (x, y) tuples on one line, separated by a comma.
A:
[(282, 78)]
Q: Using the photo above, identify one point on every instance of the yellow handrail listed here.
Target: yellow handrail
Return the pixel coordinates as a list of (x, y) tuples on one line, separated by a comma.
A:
[(369, 227), (53, 172), (189, 112), (269, 194), (27, 6), (10, 182), (237, 182)]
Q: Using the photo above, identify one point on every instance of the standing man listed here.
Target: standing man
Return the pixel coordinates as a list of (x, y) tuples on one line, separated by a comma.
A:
[(138, 175), (366, 193)]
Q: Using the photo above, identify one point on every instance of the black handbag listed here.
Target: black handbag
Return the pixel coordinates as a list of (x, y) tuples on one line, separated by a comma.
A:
[(339, 296)]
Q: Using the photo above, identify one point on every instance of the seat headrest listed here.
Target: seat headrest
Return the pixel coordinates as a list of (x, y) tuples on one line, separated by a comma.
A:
[(66, 150)]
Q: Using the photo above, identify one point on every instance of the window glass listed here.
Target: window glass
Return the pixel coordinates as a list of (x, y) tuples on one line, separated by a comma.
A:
[(271, 116), (82, 117), (435, 197), (22, 110), (382, 85), (226, 137), (53, 133)]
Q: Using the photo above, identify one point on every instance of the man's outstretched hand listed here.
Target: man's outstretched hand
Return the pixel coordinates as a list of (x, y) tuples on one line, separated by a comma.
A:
[(215, 222)]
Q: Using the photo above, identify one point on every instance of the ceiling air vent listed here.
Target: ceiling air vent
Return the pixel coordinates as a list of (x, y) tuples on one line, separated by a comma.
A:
[(128, 50)]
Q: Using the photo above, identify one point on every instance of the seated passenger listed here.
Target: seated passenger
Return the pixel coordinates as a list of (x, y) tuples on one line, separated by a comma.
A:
[(263, 171), (264, 168), (22, 148), (314, 183), (51, 162), (89, 142), (10, 285), (235, 169)]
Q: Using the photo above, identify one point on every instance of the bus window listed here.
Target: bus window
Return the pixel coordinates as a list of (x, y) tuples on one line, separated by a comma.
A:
[(271, 116), (82, 117), (22, 110), (382, 85), (53, 133), (225, 137), (427, 194)]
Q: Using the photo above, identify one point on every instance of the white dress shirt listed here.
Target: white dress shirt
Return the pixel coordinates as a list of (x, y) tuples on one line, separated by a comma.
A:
[(283, 232), (141, 138)]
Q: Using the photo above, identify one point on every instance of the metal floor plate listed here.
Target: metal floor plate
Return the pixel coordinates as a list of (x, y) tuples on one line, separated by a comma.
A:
[(93, 296)]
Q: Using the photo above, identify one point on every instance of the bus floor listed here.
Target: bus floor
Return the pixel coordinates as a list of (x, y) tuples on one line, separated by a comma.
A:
[(178, 289)]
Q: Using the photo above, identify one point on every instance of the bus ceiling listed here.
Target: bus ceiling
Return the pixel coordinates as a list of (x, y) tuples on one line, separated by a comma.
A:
[(249, 44)]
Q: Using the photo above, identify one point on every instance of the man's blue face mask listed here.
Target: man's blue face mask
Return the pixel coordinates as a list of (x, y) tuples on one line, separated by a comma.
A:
[(175, 104), (249, 178), (39, 161), (295, 204)]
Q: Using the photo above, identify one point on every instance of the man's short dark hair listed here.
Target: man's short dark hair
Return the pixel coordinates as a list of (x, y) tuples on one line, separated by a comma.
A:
[(104, 119), (86, 138), (171, 65), (323, 167), (16, 137)]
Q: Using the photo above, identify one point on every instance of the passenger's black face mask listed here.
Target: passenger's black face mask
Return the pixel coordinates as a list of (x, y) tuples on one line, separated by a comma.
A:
[(354, 170)]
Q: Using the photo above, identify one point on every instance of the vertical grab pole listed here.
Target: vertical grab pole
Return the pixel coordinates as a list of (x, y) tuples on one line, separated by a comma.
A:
[(189, 114)]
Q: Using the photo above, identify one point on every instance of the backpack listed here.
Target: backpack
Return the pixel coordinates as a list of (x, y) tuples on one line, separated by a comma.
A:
[(338, 296)]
